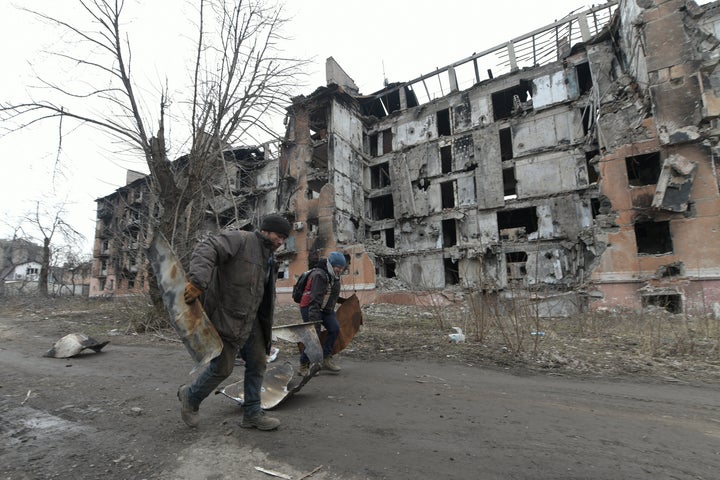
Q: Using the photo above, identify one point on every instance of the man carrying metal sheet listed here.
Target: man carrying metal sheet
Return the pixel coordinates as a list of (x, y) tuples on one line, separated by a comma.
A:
[(233, 273)]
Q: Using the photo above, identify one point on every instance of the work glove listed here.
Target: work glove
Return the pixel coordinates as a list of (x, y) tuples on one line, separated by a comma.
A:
[(191, 293), (341, 300)]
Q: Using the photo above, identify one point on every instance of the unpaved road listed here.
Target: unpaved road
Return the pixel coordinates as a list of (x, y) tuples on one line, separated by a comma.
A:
[(114, 415)]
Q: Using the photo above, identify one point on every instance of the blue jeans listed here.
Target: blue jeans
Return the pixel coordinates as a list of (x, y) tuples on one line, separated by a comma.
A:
[(329, 321), (220, 368)]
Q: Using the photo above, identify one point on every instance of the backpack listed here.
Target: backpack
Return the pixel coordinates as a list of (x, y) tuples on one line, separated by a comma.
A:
[(299, 287)]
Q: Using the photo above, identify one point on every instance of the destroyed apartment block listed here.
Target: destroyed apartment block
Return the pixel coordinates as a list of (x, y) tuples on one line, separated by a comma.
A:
[(573, 166)]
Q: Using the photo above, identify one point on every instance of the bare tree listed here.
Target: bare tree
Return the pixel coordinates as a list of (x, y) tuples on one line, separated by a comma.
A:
[(48, 225), (240, 83)]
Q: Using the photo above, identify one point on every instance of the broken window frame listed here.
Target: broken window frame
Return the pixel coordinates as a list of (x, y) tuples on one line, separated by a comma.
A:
[(380, 175), (381, 207), (512, 101), (643, 169), (653, 238), (448, 194), (670, 301)]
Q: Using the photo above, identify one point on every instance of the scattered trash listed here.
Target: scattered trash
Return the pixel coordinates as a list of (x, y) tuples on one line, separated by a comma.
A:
[(72, 344), (539, 334), (273, 354), (273, 473), (26, 397), (458, 336)]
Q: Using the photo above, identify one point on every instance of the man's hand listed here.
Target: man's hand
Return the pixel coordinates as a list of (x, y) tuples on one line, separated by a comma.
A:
[(341, 300), (191, 293)]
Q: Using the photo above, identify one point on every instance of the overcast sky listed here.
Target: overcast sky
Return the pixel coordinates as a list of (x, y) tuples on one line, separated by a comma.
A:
[(372, 40)]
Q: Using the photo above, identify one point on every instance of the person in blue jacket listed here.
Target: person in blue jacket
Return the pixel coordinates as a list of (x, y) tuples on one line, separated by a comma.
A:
[(321, 293)]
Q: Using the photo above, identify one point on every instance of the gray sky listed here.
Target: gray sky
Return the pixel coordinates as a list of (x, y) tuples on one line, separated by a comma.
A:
[(372, 40)]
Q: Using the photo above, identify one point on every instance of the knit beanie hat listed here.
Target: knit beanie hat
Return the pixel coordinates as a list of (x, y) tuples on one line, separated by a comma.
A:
[(276, 223), (336, 259)]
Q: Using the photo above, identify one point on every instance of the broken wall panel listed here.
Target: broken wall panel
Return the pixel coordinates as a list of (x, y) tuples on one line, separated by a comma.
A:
[(489, 168), (554, 88), (425, 271), (416, 131), (674, 184), (546, 174), (418, 236), (550, 129), (481, 110)]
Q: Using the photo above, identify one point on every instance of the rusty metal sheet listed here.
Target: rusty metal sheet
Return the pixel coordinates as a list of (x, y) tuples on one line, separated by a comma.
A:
[(280, 381), (349, 316), (190, 321)]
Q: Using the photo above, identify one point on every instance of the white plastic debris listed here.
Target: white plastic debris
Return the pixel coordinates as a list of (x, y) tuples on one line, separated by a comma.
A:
[(458, 336)]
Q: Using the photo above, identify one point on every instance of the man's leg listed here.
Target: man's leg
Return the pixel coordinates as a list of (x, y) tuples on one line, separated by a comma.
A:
[(304, 360), (332, 327), (217, 370), (255, 365)]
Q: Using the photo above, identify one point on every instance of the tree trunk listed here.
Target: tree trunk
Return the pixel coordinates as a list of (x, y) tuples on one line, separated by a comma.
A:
[(44, 268)]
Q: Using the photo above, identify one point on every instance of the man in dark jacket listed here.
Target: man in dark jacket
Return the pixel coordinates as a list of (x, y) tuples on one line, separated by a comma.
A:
[(235, 273), (321, 293)]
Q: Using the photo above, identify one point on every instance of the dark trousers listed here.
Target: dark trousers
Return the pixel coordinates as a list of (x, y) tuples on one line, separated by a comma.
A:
[(220, 368), (329, 321)]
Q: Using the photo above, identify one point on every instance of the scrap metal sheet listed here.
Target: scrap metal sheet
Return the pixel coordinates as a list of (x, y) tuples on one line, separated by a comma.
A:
[(280, 381), (190, 321), (349, 316)]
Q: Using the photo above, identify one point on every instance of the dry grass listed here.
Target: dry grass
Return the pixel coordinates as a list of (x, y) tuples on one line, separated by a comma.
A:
[(654, 344)]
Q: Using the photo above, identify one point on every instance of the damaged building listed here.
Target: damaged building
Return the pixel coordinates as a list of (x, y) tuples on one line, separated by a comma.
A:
[(573, 165)]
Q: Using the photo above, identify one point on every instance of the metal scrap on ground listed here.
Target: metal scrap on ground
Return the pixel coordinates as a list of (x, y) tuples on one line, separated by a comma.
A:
[(280, 381), (72, 344)]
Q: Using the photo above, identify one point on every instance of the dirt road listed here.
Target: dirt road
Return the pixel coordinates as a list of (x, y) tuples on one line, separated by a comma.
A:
[(114, 415)]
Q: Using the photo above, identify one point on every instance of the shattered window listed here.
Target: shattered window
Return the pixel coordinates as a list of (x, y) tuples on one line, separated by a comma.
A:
[(447, 194), (643, 169), (373, 144), (387, 138), (506, 150), (446, 159), (653, 238), (380, 175), (452, 274), (516, 224), (382, 207), (449, 231), (443, 123), (512, 101), (672, 302), (509, 183)]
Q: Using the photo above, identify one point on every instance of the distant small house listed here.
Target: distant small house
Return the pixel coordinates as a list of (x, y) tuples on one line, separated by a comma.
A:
[(20, 272), (21, 278)]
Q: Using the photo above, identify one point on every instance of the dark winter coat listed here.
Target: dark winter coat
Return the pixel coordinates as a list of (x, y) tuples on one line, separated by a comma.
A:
[(237, 271), (321, 292)]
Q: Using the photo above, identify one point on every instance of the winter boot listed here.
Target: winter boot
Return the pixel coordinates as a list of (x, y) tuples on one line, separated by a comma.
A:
[(189, 413), (260, 420), (327, 364)]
